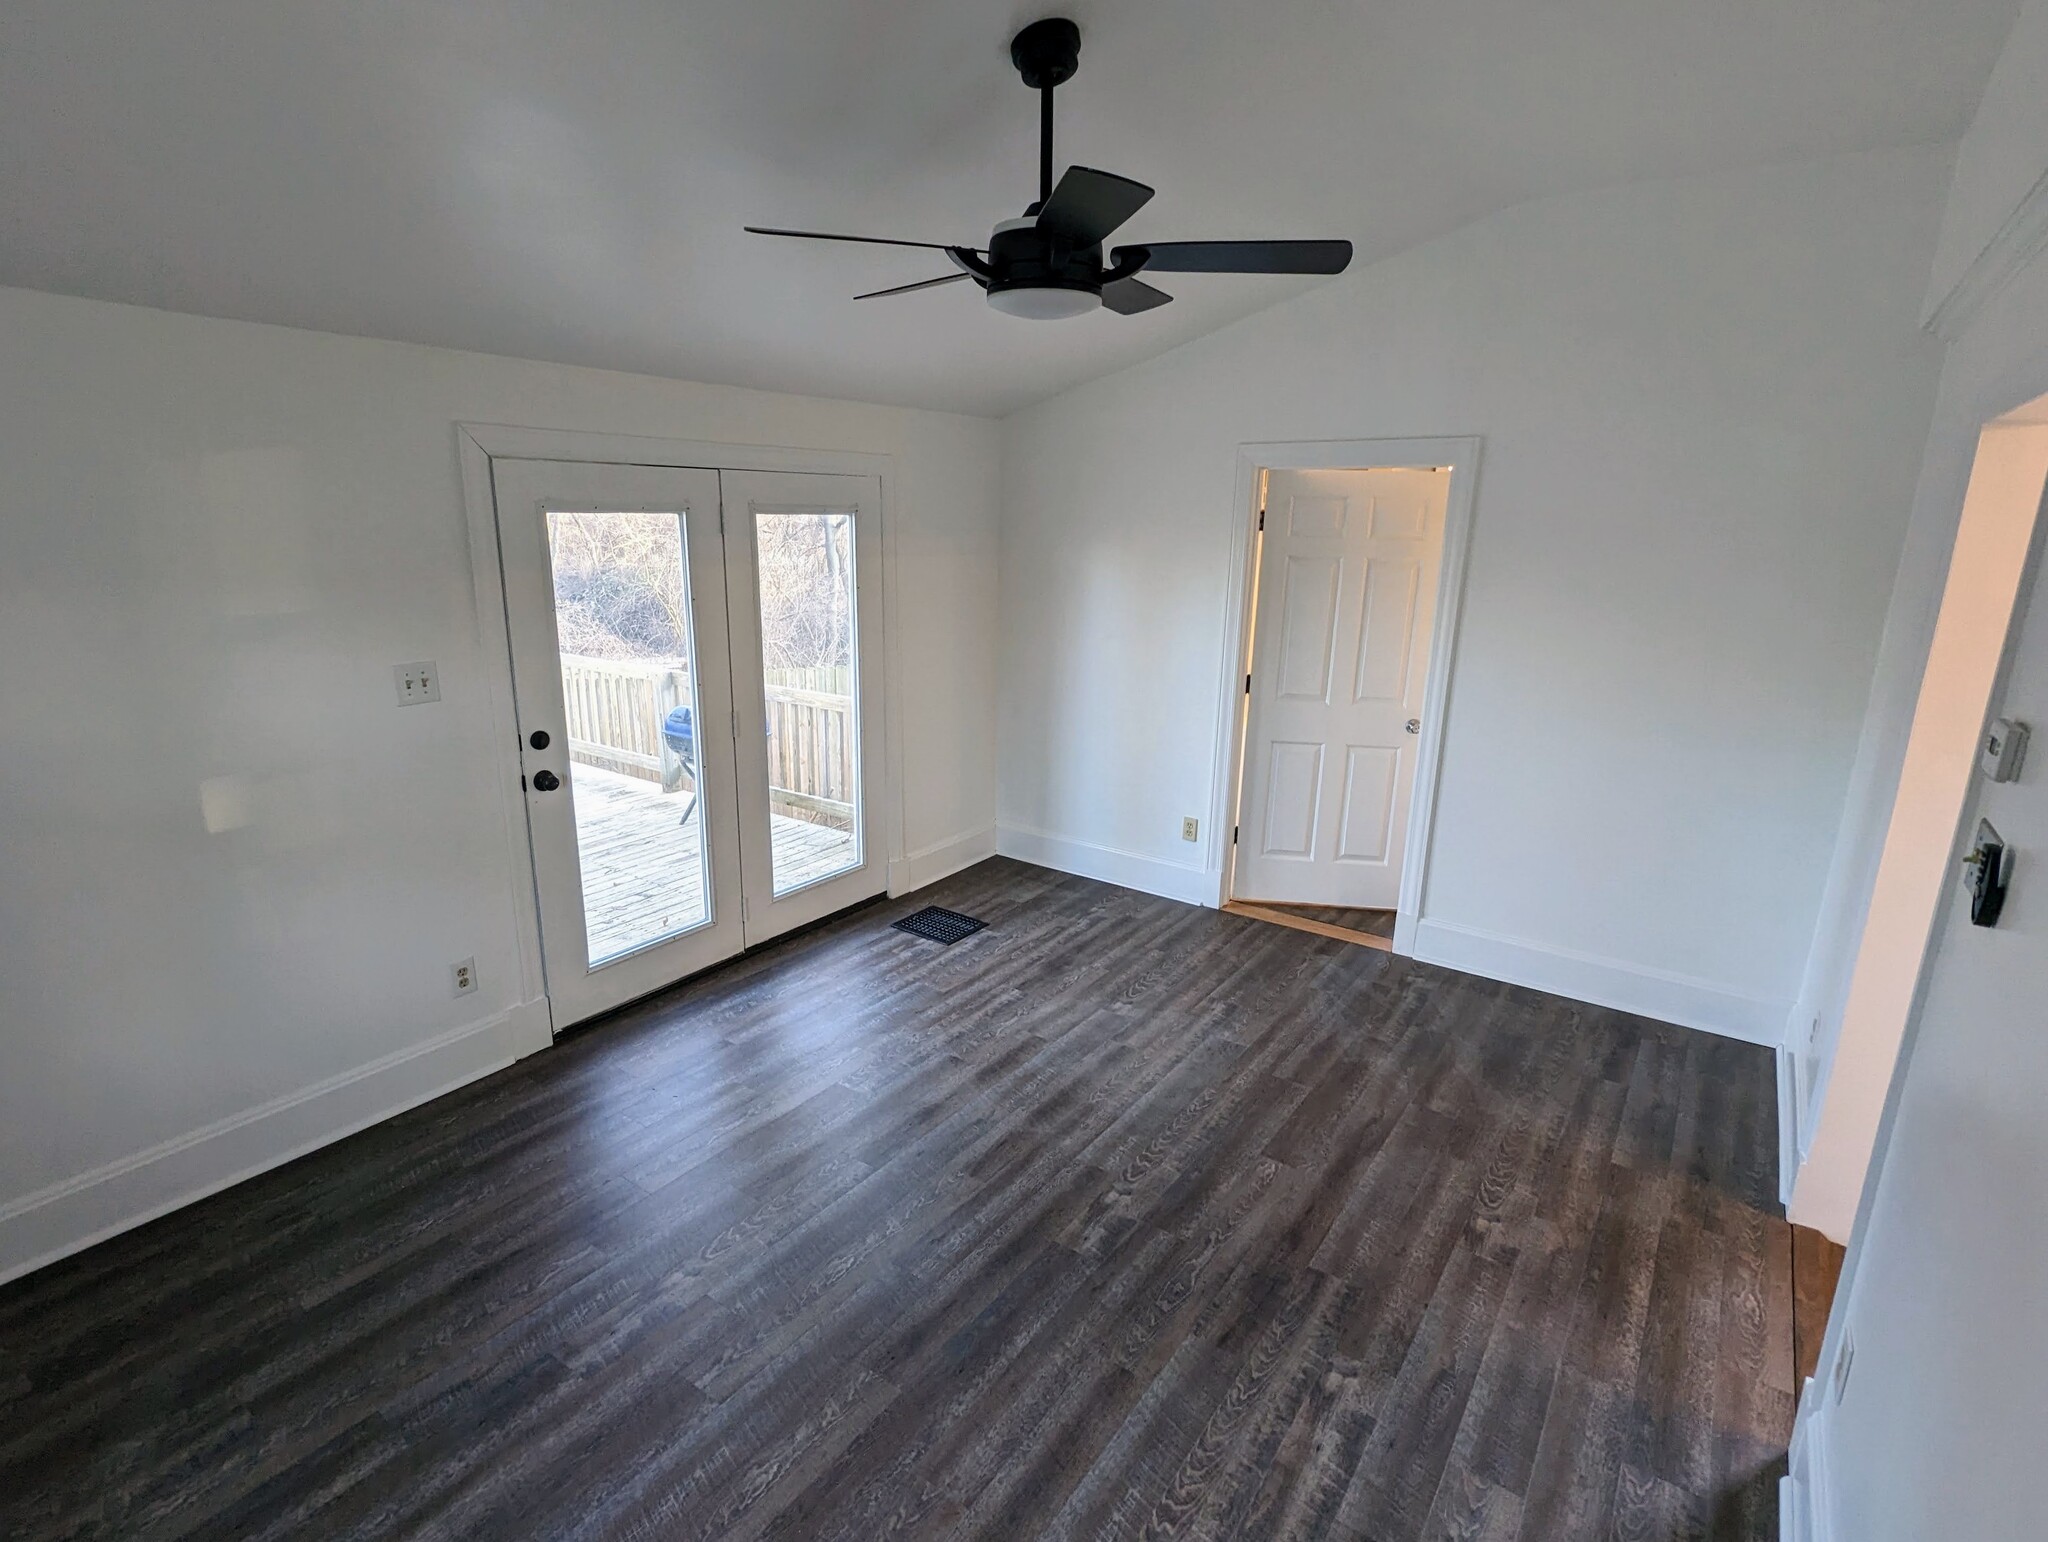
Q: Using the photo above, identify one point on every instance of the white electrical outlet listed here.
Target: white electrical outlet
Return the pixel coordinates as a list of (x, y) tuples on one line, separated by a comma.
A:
[(1190, 829), (417, 683), (462, 977)]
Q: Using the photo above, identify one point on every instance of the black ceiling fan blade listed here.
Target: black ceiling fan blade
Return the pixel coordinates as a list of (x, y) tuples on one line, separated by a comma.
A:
[(826, 235), (930, 283), (1088, 204), (1244, 256), (1128, 296)]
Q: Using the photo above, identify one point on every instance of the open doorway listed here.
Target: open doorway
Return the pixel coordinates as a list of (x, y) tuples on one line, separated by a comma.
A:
[(1353, 567), (1844, 1053)]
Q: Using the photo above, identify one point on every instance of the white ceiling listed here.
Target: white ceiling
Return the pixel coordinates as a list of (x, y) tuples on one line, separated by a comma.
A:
[(567, 181)]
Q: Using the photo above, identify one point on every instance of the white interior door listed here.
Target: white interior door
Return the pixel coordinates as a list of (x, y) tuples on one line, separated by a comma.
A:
[(615, 599), (1346, 599), (803, 580)]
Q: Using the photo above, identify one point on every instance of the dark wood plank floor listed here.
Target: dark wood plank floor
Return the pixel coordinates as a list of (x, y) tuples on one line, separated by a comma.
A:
[(1118, 1219)]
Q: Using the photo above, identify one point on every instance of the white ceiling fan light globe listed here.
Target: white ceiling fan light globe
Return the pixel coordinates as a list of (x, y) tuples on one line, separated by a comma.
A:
[(1044, 304)]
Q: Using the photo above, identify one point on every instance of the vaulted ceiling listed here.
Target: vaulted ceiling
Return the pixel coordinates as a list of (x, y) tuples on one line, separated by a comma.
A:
[(567, 181)]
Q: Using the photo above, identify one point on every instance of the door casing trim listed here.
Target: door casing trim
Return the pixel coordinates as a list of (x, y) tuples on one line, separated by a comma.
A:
[(1460, 453), (477, 445)]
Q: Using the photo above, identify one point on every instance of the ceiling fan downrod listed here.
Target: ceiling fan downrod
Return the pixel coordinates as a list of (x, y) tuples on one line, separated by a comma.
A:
[(1046, 54)]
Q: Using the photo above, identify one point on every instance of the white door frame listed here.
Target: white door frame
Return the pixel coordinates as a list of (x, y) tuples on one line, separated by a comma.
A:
[(476, 445), (1461, 454)]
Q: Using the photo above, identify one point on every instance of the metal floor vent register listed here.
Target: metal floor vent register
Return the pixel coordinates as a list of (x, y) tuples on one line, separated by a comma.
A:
[(939, 924)]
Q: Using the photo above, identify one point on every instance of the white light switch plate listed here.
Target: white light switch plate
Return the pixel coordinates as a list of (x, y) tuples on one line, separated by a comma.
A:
[(417, 683), (2005, 750)]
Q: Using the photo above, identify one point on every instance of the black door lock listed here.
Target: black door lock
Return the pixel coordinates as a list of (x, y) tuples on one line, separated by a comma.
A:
[(1990, 871), (545, 781), (540, 739)]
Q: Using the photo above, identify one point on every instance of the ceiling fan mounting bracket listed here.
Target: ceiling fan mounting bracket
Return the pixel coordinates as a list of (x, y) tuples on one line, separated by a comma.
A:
[(1047, 52)]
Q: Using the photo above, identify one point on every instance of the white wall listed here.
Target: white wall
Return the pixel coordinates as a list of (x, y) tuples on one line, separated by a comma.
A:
[(1944, 1417), (1995, 220), (1992, 200), (215, 541), (1914, 879), (1702, 403), (1945, 1413)]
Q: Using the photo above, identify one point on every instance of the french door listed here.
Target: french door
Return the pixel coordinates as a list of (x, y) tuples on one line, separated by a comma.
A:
[(699, 711)]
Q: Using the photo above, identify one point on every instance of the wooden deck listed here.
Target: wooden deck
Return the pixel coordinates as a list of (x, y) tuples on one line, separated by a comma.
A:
[(643, 866)]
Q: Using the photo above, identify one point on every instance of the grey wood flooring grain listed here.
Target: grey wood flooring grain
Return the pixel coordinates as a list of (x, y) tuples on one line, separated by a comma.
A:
[(1118, 1219)]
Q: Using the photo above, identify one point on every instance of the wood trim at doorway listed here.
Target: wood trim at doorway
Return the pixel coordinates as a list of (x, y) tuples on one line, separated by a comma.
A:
[(1304, 924), (1816, 1274)]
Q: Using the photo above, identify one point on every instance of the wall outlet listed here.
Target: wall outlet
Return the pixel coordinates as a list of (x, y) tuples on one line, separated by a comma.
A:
[(462, 977), (417, 683), (1190, 829)]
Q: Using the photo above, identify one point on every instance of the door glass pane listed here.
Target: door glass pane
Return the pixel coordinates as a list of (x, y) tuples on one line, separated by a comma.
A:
[(809, 658), (622, 616)]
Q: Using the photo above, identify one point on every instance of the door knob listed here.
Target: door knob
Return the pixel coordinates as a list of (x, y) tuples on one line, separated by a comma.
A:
[(1414, 725), (545, 781)]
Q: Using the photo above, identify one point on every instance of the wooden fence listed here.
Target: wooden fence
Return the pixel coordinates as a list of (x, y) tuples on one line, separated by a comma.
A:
[(811, 755), (616, 708), (831, 680)]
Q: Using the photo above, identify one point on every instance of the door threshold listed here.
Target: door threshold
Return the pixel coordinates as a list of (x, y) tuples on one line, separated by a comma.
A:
[(1303, 924)]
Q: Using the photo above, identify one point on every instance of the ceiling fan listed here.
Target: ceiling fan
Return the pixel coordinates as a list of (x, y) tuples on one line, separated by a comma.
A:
[(1049, 263)]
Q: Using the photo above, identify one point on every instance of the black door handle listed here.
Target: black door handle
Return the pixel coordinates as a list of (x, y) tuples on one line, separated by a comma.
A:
[(545, 781)]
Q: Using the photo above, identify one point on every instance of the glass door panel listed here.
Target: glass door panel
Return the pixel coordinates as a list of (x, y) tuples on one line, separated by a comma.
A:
[(804, 584), (624, 634), (803, 560)]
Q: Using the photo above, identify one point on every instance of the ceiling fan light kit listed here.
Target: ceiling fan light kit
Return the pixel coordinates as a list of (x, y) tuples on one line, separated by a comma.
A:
[(1047, 264)]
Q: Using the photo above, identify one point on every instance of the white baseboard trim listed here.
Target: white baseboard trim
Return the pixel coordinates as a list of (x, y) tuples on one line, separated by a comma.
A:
[(1607, 982), (65, 1217), (1805, 1500), (1788, 1122), (1792, 1526), (1127, 869), (941, 859)]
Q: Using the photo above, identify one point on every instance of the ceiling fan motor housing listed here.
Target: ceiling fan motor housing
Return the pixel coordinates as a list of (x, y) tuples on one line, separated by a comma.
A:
[(1022, 256)]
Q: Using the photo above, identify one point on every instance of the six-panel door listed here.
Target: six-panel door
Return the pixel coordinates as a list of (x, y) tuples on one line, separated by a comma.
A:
[(1345, 602)]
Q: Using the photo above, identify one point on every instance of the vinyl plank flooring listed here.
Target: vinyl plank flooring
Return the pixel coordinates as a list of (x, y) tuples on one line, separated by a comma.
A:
[(1121, 1218)]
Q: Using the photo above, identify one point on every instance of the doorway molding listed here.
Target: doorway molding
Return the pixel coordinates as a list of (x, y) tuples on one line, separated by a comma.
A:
[(1460, 453), (477, 445)]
